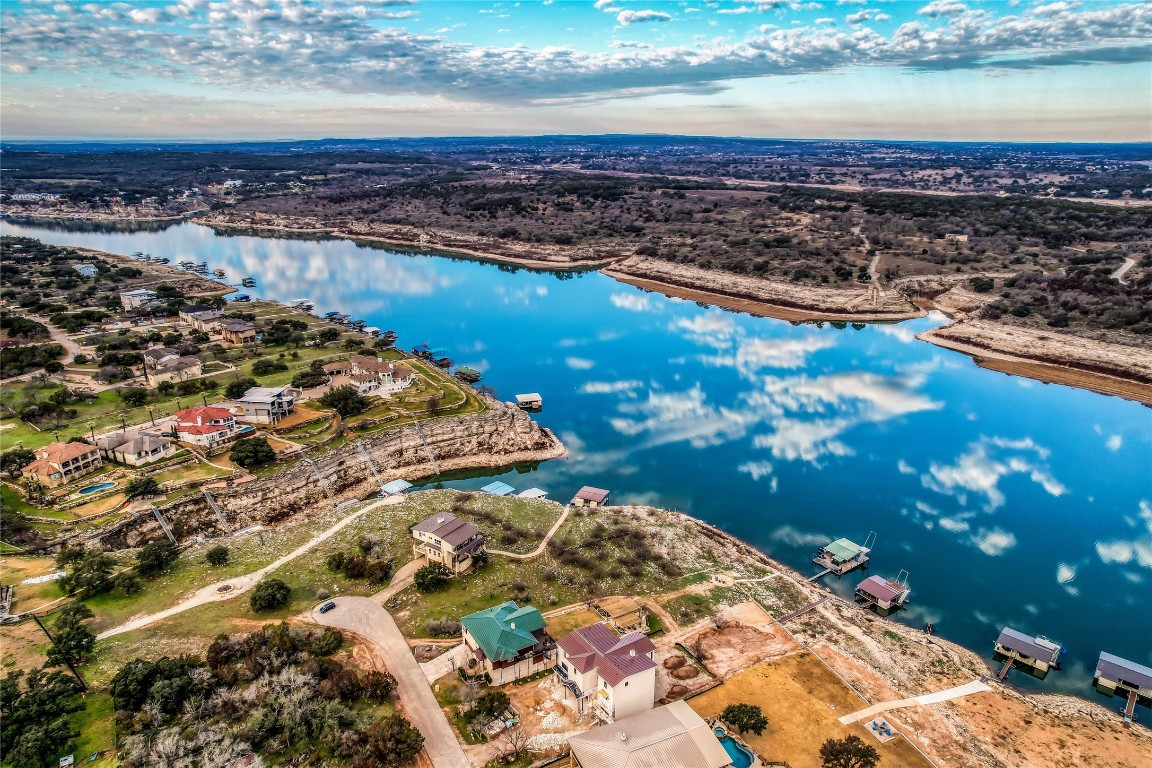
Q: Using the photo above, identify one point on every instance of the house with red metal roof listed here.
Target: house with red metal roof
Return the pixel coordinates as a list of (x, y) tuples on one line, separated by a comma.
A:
[(609, 675), (591, 497), (206, 426)]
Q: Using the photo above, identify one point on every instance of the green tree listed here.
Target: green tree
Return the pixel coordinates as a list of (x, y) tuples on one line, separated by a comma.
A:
[(264, 366), (127, 582), (252, 452), (15, 459), (90, 576), (165, 388), (269, 595), (140, 487), (746, 718), (34, 729), (848, 752), (432, 577), (345, 400), (490, 704), (377, 686), (328, 334), (393, 741), (217, 555), (237, 388), (155, 557), (309, 379), (326, 643), (72, 642), (134, 396)]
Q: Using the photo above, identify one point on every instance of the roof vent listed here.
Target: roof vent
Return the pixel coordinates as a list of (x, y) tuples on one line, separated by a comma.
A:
[(512, 624), (623, 736), (439, 520), (632, 653)]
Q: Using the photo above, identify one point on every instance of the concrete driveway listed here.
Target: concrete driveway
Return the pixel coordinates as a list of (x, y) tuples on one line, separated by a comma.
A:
[(369, 620), (447, 662)]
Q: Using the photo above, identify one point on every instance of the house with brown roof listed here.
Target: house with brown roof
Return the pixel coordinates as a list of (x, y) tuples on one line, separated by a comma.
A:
[(671, 736), (591, 497), (446, 539), (238, 331), (135, 447), (58, 464), (205, 321), (605, 674), (389, 377), (207, 426)]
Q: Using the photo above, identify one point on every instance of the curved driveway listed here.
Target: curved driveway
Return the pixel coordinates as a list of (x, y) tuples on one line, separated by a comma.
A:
[(369, 620)]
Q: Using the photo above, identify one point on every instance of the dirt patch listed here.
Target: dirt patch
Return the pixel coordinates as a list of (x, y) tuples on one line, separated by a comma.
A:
[(745, 637), (802, 700)]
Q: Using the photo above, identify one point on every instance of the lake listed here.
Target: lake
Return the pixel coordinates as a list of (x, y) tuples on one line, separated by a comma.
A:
[(1008, 501)]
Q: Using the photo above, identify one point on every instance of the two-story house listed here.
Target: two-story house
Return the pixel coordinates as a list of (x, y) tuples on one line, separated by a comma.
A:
[(372, 375), (507, 642), (238, 331), (58, 464), (265, 405), (609, 675), (138, 299), (204, 321), (135, 447), (209, 427), (444, 538)]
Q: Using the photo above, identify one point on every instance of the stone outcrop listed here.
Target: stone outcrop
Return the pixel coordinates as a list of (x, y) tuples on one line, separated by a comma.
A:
[(500, 436)]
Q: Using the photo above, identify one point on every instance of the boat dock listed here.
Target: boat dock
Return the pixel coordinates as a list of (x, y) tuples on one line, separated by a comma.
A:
[(1034, 655), (842, 556), (1116, 675), (884, 595)]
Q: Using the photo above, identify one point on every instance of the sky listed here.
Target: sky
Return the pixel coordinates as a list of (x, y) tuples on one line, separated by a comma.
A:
[(996, 70)]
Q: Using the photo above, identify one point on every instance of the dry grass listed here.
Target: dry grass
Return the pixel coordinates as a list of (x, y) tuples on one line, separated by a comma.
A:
[(563, 625), (802, 700)]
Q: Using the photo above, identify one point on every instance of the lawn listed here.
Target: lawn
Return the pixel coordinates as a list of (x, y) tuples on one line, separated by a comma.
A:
[(802, 699), (96, 724), (563, 625)]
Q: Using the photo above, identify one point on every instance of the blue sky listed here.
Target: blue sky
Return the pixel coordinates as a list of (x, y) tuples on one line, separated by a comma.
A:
[(932, 69)]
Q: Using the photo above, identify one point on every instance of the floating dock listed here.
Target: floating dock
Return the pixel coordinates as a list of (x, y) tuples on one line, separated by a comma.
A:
[(1118, 676), (1034, 655), (530, 401), (842, 556), (470, 375)]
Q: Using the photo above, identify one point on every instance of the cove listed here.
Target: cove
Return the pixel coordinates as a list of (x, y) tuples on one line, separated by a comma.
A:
[(1010, 502)]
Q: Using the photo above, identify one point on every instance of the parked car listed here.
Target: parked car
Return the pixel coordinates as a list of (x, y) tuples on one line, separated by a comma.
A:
[(327, 606)]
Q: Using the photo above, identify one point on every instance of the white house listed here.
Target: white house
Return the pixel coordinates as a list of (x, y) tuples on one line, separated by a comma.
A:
[(609, 675), (138, 298), (205, 426), (265, 405), (373, 375), (134, 448)]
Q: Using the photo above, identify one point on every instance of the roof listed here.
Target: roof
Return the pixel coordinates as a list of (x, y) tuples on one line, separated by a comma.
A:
[(1112, 667), (140, 292), (335, 367), (39, 467), (671, 736), (588, 493), (202, 415), (157, 353), (533, 493), (178, 364), (195, 309), (1035, 647), (619, 606), (396, 486), (614, 658), (203, 314), (237, 326), (139, 444), (843, 549), (529, 397), (262, 395), (448, 528), (498, 488), (369, 363), (505, 630), (880, 588), (58, 453)]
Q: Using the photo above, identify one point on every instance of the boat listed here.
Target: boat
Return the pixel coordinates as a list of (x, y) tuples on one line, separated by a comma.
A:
[(422, 350), (241, 297), (218, 274), (304, 305), (470, 375)]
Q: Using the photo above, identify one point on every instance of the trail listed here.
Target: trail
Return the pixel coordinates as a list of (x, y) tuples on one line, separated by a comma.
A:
[(241, 584), (976, 686), (536, 552), (1118, 275)]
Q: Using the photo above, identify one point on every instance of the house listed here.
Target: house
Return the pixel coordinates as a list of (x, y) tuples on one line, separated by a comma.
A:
[(444, 538), (1115, 675), (507, 642), (624, 614), (609, 675), (591, 497), (530, 401), (1017, 649), (134, 447), (237, 331), (208, 426), (157, 355), (389, 377), (58, 464), (85, 269), (138, 299), (265, 405), (204, 321), (671, 736), (186, 314), (180, 369)]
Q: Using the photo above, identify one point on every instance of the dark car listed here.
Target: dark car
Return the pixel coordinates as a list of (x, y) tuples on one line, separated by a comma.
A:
[(327, 606)]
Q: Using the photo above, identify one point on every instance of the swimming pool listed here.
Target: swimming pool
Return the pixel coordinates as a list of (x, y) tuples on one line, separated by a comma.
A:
[(741, 757), (96, 488)]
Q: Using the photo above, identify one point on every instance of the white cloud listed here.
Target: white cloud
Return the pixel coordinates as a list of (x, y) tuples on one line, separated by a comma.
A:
[(994, 542), (984, 463), (797, 538), (757, 469), (943, 8), (609, 387), (628, 18), (1114, 443), (633, 302), (579, 363), (905, 468), (1137, 549)]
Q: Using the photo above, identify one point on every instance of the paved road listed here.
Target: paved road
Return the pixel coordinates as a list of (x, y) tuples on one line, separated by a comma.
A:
[(241, 584), (365, 617), (976, 686)]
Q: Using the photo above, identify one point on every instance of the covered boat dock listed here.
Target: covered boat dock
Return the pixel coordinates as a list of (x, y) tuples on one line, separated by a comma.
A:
[(1115, 675), (1035, 655)]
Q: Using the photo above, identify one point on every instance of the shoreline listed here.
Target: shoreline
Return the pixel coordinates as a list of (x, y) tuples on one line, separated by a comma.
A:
[(1047, 361)]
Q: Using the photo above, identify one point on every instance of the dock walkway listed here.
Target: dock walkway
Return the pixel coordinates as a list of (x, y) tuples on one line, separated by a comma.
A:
[(976, 686)]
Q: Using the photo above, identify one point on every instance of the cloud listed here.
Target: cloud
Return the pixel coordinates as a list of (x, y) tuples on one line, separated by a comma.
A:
[(609, 387), (306, 45), (797, 538), (905, 468), (579, 363), (1114, 443), (633, 302), (757, 469), (1137, 549), (673, 417), (994, 542), (984, 463), (628, 18)]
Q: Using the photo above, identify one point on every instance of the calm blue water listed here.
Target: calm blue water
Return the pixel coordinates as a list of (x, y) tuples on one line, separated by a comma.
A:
[(95, 488), (1008, 501)]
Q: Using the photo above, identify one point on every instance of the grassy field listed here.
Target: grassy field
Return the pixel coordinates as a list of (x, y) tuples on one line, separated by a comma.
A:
[(802, 699)]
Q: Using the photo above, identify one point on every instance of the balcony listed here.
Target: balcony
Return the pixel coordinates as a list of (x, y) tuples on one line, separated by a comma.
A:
[(568, 682)]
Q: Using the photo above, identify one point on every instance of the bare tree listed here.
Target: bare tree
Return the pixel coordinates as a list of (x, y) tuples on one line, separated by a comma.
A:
[(513, 743)]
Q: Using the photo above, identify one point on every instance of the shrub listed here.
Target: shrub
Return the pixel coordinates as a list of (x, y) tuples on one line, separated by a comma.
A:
[(326, 643), (252, 452), (140, 487), (432, 577), (217, 555), (156, 557), (442, 628), (269, 595), (848, 752)]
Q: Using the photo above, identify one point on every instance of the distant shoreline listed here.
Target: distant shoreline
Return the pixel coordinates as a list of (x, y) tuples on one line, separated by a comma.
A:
[(1049, 357)]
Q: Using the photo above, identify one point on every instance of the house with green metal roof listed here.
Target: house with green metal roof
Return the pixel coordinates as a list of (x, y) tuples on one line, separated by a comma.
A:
[(507, 642)]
